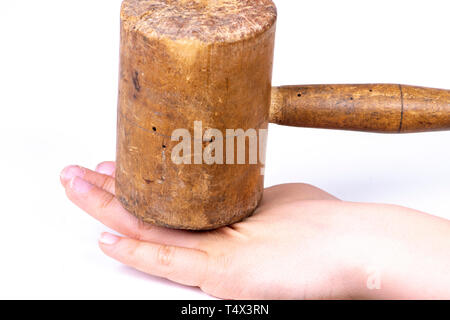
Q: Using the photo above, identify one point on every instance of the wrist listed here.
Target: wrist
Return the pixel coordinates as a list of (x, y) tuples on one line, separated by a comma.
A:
[(400, 254)]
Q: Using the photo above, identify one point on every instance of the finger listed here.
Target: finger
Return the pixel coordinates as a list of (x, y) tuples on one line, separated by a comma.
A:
[(107, 168), (182, 265), (105, 207), (102, 181)]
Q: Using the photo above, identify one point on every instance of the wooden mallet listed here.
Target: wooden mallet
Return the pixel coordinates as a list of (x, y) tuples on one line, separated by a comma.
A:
[(209, 62)]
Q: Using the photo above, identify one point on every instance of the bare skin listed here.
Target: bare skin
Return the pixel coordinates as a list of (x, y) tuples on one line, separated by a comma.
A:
[(301, 243)]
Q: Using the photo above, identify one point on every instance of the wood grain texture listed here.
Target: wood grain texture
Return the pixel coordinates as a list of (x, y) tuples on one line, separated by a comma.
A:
[(383, 108), (183, 61), (186, 61)]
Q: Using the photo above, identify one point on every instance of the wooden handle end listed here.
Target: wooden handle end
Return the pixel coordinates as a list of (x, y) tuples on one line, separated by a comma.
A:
[(383, 108)]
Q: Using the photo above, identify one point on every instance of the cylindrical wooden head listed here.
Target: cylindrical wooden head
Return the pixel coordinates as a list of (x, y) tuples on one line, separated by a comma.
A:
[(190, 70)]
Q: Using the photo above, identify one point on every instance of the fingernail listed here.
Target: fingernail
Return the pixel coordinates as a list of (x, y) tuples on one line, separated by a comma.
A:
[(105, 168), (79, 185), (72, 171), (108, 239)]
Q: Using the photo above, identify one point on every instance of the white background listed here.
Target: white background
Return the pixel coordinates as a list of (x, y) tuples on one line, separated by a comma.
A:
[(58, 91)]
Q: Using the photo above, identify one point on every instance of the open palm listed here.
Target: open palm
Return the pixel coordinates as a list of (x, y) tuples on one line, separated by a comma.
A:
[(300, 243)]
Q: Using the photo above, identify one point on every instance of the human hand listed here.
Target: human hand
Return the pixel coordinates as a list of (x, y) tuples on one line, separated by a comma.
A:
[(301, 243)]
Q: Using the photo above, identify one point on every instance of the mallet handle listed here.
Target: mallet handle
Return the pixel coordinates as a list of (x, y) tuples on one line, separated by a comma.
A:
[(384, 108)]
